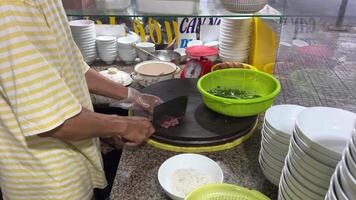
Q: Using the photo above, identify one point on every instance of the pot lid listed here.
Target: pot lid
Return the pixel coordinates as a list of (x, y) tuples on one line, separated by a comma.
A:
[(198, 51)]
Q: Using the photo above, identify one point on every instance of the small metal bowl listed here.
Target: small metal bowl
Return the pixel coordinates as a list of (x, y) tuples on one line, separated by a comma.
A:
[(167, 55)]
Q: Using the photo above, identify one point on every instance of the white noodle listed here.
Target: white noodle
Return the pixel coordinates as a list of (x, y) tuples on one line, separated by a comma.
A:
[(185, 181)]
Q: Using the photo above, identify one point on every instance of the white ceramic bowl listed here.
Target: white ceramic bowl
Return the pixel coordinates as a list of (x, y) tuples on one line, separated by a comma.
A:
[(338, 190), (275, 137), (324, 129), (287, 193), (275, 163), (244, 6), (316, 153), (352, 148), (302, 187), (272, 148), (325, 169), (284, 125), (283, 138), (274, 179), (308, 171), (149, 72), (350, 162), (347, 181), (81, 23), (291, 185), (197, 162), (195, 43), (316, 188), (272, 140)]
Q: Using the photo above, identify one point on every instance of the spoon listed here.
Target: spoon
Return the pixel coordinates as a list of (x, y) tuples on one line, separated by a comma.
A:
[(147, 52)]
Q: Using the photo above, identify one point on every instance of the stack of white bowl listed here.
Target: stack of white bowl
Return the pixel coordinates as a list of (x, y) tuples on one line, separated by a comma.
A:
[(234, 39), (107, 48), (126, 49), (147, 46), (343, 182), (244, 6), (276, 133), (320, 136), (84, 35)]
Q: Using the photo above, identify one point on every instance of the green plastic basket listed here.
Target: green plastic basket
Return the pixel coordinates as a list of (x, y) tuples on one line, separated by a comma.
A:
[(252, 81), (223, 191)]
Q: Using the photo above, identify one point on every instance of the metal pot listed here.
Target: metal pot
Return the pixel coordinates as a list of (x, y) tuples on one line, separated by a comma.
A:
[(167, 55), (146, 77)]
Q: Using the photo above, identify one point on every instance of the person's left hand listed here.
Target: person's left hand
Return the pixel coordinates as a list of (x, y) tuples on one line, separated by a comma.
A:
[(142, 101), (139, 101)]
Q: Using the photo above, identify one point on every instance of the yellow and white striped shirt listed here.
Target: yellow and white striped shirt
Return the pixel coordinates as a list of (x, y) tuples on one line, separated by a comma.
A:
[(42, 84)]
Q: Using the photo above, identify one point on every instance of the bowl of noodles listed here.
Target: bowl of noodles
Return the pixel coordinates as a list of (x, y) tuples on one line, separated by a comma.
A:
[(183, 173)]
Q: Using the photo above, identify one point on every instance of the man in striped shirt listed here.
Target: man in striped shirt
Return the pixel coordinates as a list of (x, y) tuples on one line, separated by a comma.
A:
[(48, 131)]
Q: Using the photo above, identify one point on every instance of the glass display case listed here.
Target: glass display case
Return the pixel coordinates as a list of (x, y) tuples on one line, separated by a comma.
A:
[(167, 22)]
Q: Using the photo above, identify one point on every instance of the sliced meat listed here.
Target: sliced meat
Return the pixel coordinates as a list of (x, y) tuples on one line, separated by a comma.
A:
[(169, 122)]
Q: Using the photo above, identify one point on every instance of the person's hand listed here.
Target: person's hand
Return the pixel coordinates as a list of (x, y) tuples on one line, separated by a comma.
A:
[(138, 101), (142, 101), (136, 130)]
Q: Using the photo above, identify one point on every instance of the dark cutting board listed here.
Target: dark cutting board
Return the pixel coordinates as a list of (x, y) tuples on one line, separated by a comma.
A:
[(201, 126)]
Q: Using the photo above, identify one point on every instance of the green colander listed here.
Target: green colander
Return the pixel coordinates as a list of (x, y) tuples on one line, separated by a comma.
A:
[(251, 81), (223, 191)]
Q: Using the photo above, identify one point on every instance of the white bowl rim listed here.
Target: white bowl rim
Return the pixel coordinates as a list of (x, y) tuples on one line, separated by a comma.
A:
[(81, 23), (283, 124), (174, 67)]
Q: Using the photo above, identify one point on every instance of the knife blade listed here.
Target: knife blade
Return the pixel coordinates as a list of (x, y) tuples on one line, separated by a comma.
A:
[(172, 109)]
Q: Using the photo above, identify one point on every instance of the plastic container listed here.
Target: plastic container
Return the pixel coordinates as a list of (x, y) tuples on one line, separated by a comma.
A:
[(223, 191), (251, 81)]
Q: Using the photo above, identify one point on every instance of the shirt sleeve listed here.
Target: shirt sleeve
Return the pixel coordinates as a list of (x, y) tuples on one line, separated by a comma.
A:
[(39, 98)]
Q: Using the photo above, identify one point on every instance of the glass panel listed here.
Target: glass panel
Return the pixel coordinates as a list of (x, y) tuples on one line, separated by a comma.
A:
[(177, 8)]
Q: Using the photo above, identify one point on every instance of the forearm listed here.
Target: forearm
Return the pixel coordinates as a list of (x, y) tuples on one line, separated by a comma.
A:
[(98, 84), (88, 124)]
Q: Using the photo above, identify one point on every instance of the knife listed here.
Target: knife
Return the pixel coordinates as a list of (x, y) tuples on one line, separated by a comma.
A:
[(172, 109)]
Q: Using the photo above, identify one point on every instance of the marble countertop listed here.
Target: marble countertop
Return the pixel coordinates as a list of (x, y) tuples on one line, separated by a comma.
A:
[(136, 176)]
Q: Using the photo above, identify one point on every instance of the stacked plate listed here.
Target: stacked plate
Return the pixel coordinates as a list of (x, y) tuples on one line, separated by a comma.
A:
[(107, 48), (126, 50), (276, 134), (343, 182), (318, 140), (84, 35), (234, 39)]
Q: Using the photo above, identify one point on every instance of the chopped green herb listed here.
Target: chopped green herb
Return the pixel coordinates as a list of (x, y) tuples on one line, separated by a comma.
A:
[(232, 93)]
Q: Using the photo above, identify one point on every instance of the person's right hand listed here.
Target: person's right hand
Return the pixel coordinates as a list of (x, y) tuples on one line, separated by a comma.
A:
[(137, 130)]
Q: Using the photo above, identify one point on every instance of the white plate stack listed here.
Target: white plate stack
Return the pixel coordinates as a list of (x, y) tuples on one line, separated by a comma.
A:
[(234, 39), (276, 133), (343, 182), (107, 48), (320, 136), (84, 35), (126, 50)]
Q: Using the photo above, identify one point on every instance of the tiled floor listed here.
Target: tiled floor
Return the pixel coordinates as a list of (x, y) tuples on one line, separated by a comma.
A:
[(322, 74)]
